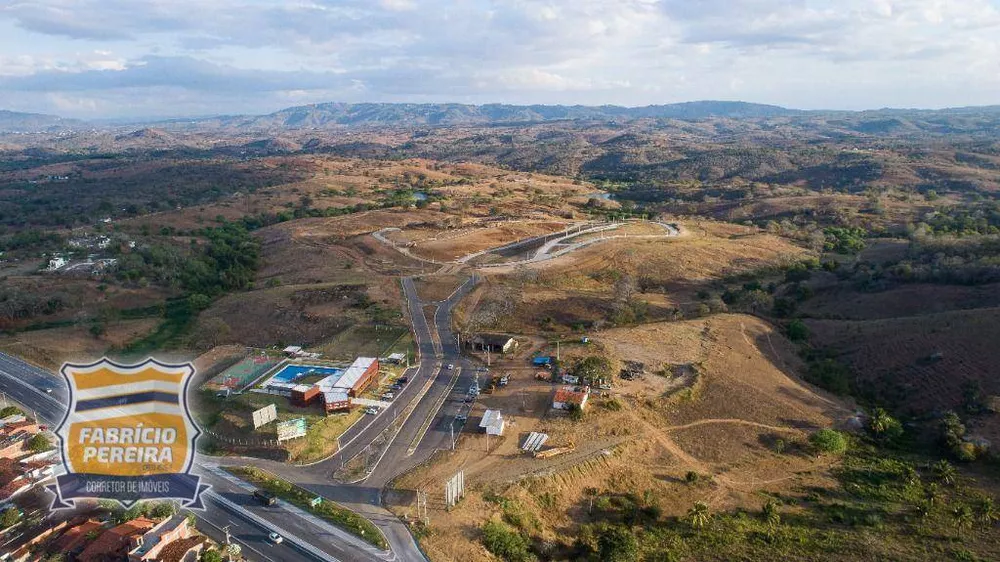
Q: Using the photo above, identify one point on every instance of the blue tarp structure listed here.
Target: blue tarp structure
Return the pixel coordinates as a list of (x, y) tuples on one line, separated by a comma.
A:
[(541, 361)]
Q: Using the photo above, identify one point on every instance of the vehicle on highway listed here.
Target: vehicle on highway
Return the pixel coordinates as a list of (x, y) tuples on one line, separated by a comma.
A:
[(462, 417), (397, 387), (403, 380), (388, 396), (483, 369), (265, 497), (275, 538), (371, 410), (451, 366), (48, 390)]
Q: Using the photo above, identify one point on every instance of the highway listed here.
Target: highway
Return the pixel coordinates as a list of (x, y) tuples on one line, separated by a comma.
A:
[(230, 504)]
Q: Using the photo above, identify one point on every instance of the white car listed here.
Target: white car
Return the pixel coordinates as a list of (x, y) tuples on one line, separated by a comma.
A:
[(451, 366), (371, 410), (388, 396), (275, 538)]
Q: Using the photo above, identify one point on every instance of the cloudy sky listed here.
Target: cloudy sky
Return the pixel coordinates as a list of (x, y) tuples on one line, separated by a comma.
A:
[(154, 58)]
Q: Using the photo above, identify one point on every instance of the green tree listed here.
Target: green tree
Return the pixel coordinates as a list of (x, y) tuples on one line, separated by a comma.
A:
[(211, 556), (944, 472), (10, 517), (883, 426), (39, 443), (617, 544), (797, 331), (699, 515), (828, 441), (593, 367), (771, 514)]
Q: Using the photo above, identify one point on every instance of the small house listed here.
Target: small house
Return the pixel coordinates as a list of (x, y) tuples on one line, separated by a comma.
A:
[(568, 396), (304, 394), (336, 400), (492, 423)]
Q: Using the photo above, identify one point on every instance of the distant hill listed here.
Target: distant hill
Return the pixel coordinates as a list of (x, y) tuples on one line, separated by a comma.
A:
[(408, 114), (12, 121)]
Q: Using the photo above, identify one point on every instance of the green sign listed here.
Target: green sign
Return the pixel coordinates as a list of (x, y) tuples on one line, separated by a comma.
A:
[(315, 501)]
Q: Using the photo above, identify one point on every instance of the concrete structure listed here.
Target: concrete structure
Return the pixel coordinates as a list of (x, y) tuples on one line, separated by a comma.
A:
[(336, 400), (292, 351), (567, 396), (494, 343), (492, 423), (304, 394)]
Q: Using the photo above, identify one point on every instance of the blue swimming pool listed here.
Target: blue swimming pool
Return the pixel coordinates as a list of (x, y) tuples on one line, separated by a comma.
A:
[(290, 373)]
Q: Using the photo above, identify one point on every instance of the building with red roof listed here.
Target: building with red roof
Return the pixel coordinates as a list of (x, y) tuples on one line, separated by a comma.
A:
[(113, 544)]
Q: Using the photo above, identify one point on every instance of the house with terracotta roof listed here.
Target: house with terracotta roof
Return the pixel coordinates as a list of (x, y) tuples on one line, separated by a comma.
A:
[(183, 550), (24, 550), (75, 538), (113, 544), (568, 396), (14, 438), (149, 546)]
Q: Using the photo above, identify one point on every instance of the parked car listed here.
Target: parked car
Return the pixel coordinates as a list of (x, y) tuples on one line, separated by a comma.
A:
[(462, 417), (371, 410), (403, 380), (275, 538)]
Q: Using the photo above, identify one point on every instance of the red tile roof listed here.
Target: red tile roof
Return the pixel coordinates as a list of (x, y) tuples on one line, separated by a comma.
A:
[(569, 395), (75, 537), (115, 541)]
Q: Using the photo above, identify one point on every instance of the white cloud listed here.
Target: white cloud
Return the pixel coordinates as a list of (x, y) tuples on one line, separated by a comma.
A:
[(804, 53)]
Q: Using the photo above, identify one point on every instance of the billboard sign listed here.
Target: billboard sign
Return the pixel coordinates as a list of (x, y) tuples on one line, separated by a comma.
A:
[(291, 429), (264, 416)]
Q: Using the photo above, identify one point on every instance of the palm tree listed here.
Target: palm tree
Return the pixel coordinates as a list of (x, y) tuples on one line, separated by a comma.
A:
[(591, 493), (771, 514), (986, 511), (923, 508), (962, 516), (881, 422), (932, 493), (945, 472), (699, 515)]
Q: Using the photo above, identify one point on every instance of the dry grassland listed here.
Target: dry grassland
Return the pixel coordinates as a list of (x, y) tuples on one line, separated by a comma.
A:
[(746, 397)]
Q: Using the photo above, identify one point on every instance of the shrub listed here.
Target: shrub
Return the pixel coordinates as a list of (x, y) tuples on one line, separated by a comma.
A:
[(797, 331), (828, 441), (500, 539)]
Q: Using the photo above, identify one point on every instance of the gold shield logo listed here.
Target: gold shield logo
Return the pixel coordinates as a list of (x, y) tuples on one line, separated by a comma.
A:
[(128, 434)]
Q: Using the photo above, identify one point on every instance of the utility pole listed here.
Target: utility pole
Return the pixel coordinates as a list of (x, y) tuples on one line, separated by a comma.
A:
[(452, 428), (4, 398)]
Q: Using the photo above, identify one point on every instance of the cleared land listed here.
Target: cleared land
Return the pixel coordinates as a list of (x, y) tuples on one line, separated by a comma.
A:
[(720, 426)]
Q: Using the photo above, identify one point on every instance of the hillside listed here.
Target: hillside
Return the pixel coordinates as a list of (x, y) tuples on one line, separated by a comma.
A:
[(12, 121)]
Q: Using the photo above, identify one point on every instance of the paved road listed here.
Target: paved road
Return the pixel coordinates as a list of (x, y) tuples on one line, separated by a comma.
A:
[(439, 404)]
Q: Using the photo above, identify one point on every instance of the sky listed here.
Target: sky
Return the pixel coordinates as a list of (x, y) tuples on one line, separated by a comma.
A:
[(169, 58)]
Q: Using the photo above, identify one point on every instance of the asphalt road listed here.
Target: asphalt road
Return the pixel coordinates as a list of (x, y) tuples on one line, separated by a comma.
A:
[(440, 404), (27, 384)]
